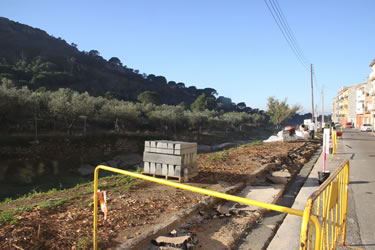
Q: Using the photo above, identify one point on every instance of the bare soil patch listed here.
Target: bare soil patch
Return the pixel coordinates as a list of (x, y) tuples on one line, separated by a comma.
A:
[(131, 212)]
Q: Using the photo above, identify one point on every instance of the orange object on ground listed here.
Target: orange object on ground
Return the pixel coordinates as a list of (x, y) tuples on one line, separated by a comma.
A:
[(103, 202)]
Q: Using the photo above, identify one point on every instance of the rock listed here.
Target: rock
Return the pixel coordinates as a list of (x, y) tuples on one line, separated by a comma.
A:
[(173, 232), (172, 240), (282, 173), (169, 248), (222, 209)]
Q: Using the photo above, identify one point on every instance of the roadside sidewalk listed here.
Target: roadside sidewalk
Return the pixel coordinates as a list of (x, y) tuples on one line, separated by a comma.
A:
[(288, 234)]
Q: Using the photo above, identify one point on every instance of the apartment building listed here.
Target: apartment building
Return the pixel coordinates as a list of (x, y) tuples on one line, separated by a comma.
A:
[(339, 107), (370, 97), (352, 101), (356, 103), (334, 110), (360, 105)]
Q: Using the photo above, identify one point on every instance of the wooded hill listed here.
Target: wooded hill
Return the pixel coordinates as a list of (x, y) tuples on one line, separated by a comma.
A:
[(33, 58)]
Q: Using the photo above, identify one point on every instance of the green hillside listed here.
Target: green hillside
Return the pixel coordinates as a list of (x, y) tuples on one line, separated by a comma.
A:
[(31, 57)]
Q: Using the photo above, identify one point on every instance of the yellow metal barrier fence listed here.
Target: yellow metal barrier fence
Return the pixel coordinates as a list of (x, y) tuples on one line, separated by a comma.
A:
[(307, 214), (330, 204)]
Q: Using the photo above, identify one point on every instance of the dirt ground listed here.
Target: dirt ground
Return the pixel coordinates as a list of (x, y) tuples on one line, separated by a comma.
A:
[(131, 212)]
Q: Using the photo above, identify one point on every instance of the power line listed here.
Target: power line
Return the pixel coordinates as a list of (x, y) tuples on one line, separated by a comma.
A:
[(286, 31), (289, 31), (288, 35)]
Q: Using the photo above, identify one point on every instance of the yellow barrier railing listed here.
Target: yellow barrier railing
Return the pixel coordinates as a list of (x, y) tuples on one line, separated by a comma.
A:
[(330, 204), (306, 214)]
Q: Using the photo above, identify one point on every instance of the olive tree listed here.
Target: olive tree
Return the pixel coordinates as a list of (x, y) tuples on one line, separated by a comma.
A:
[(280, 111), (69, 105), (121, 112)]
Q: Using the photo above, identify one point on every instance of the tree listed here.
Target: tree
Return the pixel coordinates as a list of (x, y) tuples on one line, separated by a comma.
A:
[(180, 85), (202, 102), (109, 95), (69, 105), (241, 106), (94, 53), (14, 103), (121, 112), (149, 97), (115, 61), (182, 105), (224, 103), (166, 117), (160, 80), (172, 84), (198, 119), (83, 107), (280, 111), (151, 78), (210, 91)]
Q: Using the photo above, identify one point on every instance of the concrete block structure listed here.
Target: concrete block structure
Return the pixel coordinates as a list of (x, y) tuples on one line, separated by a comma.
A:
[(170, 158)]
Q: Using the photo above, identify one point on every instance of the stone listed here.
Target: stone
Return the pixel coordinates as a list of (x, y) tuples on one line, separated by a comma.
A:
[(222, 209), (172, 240), (277, 180), (173, 232), (282, 173), (169, 248)]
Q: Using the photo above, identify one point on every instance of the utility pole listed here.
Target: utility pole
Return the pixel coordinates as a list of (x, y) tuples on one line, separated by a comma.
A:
[(322, 104), (312, 92)]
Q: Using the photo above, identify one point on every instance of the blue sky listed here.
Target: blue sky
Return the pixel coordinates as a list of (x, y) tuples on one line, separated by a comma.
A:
[(234, 47)]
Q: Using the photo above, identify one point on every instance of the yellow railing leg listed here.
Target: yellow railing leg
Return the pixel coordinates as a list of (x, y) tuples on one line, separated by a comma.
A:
[(95, 235), (345, 203)]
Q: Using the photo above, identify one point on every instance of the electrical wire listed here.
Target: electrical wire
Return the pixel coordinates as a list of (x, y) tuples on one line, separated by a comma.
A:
[(283, 26), (293, 39)]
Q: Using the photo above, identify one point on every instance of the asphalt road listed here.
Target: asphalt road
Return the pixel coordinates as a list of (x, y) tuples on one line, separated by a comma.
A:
[(359, 147)]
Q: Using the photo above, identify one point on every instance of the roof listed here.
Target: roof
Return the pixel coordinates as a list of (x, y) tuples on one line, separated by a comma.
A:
[(372, 63)]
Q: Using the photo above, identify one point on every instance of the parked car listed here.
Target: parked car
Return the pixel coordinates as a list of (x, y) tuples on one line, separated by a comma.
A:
[(366, 127), (349, 125)]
